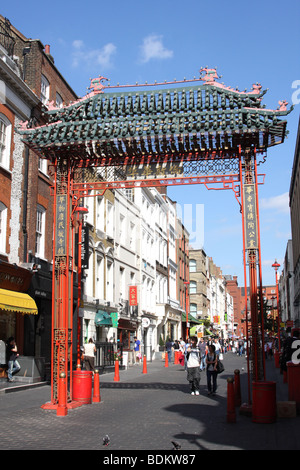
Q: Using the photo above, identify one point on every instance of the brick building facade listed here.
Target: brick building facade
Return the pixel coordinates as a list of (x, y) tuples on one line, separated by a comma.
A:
[(29, 81)]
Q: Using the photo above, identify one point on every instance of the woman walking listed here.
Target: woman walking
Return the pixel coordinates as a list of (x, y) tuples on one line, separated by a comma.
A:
[(211, 370)]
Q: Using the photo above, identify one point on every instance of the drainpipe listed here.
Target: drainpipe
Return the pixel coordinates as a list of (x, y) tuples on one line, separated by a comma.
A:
[(25, 198)]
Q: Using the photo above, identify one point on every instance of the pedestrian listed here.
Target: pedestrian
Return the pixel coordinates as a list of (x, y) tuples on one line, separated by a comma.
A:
[(241, 346), (13, 365), (89, 355), (186, 346), (202, 349), (217, 346), (288, 348), (137, 352), (193, 366), (169, 349), (211, 370)]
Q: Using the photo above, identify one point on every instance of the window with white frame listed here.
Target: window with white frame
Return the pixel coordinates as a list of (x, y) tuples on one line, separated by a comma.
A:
[(193, 265), (193, 287), (109, 219), (3, 224), (43, 165), (5, 139), (59, 101), (45, 90), (40, 232), (193, 310)]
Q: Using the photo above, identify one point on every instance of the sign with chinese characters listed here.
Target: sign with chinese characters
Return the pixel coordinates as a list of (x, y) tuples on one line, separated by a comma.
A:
[(61, 225), (114, 319), (133, 296), (250, 217), (85, 247)]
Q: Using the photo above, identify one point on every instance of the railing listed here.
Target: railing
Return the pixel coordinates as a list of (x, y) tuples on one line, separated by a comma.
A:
[(105, 354)]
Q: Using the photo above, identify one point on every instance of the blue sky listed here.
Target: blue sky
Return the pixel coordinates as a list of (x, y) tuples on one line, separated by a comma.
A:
[(138, 41)]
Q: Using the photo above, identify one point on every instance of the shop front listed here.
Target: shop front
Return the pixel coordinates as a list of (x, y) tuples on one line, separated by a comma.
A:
[(18, 313), (127, 330)]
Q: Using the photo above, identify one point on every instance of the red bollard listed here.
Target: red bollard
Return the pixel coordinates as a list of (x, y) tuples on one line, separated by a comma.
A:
[(62, 409), (166, 360), (144, 365), (176, 357), (277, 359), (237, 388), (117, 376), (96, 394), (231, 417)]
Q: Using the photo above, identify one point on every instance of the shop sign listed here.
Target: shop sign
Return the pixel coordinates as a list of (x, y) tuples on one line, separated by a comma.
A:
[(133, 296), (250, 217)]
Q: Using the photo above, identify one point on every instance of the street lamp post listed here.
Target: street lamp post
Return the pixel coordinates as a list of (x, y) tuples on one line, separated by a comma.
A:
[(276, 265)]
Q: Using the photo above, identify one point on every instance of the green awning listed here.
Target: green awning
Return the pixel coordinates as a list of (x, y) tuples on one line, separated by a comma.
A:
[(103, 318), (191, 319)]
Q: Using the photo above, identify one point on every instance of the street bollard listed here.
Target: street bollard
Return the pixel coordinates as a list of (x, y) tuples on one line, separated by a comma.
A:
[(176, 357), (117, 376), (166, 360), (231, 417), (96, 394), (144, 365), (237, 388), (62, 409)]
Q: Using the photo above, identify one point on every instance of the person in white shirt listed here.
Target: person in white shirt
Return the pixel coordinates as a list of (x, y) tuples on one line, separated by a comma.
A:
[(89, 355), (193, 366)]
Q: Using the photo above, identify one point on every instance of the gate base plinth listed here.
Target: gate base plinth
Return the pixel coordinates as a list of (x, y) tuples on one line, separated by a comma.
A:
[(53, 406), (245, 409)]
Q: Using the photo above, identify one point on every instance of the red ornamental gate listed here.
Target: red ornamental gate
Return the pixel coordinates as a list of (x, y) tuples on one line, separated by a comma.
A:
[(177, 133)]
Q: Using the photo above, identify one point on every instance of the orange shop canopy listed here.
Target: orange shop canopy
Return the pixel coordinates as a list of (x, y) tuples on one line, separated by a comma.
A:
[(17, 302)]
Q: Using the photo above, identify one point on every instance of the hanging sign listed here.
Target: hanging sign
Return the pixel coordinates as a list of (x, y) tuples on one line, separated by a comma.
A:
[(250, 217), (85, 247), (133, 296), (61, 225)]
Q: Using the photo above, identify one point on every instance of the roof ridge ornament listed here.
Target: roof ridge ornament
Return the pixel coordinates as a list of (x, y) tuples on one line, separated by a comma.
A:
[(96, 85), (210, 75)]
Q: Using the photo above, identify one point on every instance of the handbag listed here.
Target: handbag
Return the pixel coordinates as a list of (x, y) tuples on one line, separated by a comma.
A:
[(220, 367)]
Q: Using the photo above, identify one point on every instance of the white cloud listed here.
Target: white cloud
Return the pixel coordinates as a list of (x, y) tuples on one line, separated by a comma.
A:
[(102, 57), (279, 203), (153, 48)]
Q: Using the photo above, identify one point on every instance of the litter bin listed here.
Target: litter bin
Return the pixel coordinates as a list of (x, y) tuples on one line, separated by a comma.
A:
[(82, 386), (264, 407), (293, 378)]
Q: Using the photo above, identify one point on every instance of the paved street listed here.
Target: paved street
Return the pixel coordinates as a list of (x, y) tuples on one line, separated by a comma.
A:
[(146, 412)]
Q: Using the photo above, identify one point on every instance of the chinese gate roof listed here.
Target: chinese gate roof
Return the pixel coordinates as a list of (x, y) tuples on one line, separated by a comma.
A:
[(190, 119)]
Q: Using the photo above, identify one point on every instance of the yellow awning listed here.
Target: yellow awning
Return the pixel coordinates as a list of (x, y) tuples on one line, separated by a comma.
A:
[(17, 302)]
